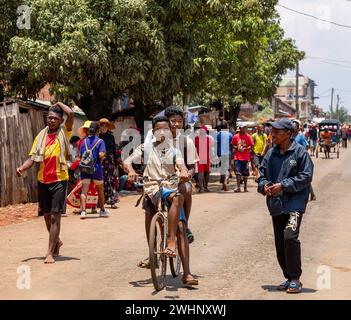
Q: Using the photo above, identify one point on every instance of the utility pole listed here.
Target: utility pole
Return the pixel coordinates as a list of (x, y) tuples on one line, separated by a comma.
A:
[(331, 104), (297, 91), (337, 106)]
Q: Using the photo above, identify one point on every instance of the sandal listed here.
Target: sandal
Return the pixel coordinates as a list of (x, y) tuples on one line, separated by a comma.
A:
[(144, 264), (168, 252), (295, 286), (283, 286), (189, 235), (190, 281)]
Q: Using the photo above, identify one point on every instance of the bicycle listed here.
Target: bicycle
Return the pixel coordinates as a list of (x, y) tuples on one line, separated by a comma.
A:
[(158, 242)]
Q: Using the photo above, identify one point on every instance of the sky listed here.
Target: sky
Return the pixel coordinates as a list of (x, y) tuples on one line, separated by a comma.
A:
[(322, 41)]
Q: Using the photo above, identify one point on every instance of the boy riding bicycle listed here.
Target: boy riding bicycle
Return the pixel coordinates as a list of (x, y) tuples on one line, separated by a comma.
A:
[(162, 161)]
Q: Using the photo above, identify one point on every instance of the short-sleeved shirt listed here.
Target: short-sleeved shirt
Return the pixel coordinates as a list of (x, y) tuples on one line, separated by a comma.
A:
[(160, 163), (224, 140), (300, 139), (245, 141), (313, 134), (191, 157), (50, 170), (260, 141), (327, 137), (100, 147)]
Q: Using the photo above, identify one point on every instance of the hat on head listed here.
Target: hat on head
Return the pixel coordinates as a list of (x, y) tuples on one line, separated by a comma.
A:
[(111, 126), (82, 130), (297, 122), (242, 125), (283, 124)]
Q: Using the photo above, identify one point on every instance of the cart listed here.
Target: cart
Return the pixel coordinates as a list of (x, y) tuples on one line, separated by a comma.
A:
[(333, 126)]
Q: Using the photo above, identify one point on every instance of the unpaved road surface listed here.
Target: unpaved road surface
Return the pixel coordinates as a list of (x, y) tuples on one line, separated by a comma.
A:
[(233, 254)]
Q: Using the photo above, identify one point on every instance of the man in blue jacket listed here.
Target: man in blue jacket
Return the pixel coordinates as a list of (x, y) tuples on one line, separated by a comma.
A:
[(285, 178)]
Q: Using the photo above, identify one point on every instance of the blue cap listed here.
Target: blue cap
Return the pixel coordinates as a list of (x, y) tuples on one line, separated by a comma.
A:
[(283, 123)]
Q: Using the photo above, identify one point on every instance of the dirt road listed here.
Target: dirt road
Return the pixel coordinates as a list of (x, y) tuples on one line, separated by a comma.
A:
[(233, 254)]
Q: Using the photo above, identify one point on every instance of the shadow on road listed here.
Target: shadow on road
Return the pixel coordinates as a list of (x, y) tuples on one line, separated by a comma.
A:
[(57, 259), (271, 288), (172, 284)]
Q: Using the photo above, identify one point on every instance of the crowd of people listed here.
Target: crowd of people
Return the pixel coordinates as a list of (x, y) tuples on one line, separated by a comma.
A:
[(277, 152)]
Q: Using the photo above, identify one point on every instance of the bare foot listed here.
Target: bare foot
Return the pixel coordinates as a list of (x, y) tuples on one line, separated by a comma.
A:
[(57, 248), (49, 259)]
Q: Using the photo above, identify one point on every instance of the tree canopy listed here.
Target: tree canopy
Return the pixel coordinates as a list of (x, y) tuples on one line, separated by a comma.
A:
[(92, 51)]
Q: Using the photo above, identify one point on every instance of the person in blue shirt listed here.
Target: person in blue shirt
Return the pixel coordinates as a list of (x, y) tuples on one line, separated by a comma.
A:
[(97, 146), (224, 139), (299, 136), (285, 179), (301, 140)]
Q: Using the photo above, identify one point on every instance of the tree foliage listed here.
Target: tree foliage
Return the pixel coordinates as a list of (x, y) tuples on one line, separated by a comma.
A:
[(92, 51)]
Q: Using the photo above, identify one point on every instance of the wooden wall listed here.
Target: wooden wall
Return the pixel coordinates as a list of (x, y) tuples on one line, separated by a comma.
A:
[(17, 133)]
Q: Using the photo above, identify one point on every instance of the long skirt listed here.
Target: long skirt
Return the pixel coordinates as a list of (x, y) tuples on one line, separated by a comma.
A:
[(111, 196)]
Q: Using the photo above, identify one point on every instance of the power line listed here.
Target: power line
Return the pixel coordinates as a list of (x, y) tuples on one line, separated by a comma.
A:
[(327, 59), (314, 17), (335, 64)]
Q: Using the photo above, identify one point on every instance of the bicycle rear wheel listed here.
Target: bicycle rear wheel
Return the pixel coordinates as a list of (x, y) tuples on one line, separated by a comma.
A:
[(157, 243)]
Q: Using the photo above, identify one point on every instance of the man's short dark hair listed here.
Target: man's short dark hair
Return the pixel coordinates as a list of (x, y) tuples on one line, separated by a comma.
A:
[(94, 127), (159, 119), (174, 111), (57, 110), (74, 139), (224, 125)]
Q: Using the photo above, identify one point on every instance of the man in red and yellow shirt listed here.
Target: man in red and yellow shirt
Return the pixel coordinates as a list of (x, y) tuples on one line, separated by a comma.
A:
[(51, 150)]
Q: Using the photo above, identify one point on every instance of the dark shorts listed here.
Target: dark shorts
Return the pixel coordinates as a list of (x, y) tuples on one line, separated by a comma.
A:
[(52, 197), (242, 168)]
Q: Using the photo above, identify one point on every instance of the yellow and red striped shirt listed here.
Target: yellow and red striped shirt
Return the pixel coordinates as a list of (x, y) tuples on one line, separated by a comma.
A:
[(50, 169)]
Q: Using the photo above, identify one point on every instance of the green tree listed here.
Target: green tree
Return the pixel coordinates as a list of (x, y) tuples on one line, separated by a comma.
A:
[(89, 51), (92, 51), (8, 30)]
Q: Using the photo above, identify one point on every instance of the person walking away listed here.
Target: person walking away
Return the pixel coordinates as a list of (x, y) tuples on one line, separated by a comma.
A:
[(285, 179), (344, 136), (259, 139), (109, 163), (242, 144), (224, 140), (92, 153), (313, 138), (188, 150), (300, 139), (327, 140), (204, 147), (51, 150)]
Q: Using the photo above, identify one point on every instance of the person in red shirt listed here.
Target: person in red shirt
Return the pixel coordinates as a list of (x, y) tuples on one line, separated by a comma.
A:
[(204, 147), (242, 144)]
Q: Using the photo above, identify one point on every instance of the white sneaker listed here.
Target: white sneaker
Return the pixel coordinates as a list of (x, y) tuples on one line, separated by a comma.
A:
[(83, 215), (104, 213)]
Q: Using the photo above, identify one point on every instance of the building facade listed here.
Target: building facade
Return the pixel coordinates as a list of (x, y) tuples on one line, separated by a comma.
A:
[(306, 86)]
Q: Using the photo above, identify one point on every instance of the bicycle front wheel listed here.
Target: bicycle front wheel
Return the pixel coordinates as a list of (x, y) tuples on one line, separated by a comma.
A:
[(157, 243), (175, 263)]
